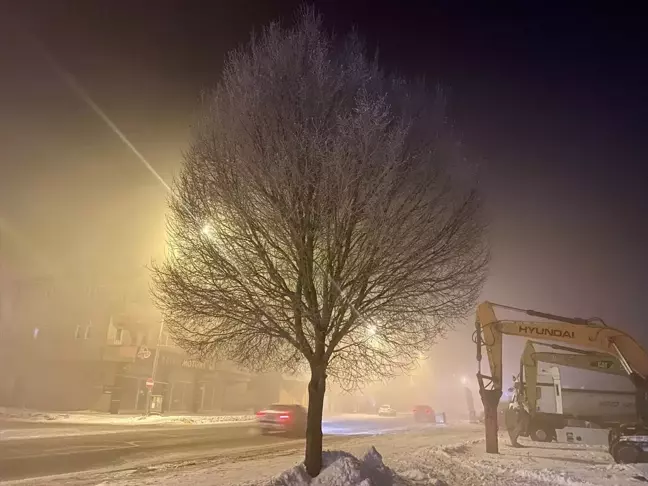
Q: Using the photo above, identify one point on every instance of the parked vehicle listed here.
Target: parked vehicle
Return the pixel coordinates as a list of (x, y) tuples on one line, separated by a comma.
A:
[(424, 413), (386, 411), (286, 419)]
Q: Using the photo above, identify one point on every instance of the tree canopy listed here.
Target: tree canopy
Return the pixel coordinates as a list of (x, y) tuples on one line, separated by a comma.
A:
[(322, 217)]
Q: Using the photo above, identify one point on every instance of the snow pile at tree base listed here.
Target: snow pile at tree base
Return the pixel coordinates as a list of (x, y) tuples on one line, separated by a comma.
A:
[(340, 468)]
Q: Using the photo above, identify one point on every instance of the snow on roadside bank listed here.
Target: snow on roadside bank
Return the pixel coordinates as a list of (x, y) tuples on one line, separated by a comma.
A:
[(465, 463), (340, 468), (432, 466), (453, 456), (81, 418)]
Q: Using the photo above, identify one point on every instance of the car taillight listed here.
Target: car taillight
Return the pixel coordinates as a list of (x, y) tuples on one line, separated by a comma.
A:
[(284, 417), (260, 414), (427, 411)]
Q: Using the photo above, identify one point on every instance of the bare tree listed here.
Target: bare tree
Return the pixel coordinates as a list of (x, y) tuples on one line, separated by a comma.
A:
[(319, 219)]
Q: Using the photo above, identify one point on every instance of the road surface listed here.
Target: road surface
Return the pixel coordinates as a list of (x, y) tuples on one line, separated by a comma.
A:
[(52, 449)]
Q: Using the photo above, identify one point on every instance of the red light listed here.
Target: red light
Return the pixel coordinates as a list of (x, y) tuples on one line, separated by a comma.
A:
[(427, 410), (284, 417), (260, 414)]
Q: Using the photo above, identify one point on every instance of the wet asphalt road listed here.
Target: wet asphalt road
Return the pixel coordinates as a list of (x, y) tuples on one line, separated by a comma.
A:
[(28, 450)]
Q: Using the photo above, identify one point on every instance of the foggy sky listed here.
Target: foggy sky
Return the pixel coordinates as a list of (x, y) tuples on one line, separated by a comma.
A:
[(554, 110)]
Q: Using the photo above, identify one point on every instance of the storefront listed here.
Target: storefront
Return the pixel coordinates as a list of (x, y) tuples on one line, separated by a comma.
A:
[(185, 385)]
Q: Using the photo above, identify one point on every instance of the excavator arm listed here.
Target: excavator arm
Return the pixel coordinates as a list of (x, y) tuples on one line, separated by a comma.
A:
[(581, 359), (587, 334)]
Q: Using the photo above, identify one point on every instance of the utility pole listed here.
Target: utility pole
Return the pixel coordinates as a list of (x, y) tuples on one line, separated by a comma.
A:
[(156, 359)]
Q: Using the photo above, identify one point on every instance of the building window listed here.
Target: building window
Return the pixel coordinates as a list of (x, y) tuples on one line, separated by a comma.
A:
[(119, 335), (77, 333), (88, 332)]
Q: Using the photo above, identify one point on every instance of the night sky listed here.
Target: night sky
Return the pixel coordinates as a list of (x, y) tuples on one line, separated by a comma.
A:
[(551, 101)]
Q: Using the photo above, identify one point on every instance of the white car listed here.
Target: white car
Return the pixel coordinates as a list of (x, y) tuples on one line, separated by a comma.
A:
[(386, 411)]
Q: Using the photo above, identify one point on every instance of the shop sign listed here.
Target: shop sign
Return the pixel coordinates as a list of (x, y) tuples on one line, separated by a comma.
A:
[(195, 364)]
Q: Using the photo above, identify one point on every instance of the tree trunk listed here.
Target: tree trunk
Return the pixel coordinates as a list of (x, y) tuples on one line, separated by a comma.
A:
[(316, 391)]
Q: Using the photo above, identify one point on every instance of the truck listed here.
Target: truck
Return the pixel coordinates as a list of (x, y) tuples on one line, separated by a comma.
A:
[(552, 408), (557, 407)]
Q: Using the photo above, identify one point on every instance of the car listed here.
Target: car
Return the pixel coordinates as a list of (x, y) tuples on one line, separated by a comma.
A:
[(283, 419), (386, 411), (424, 413)]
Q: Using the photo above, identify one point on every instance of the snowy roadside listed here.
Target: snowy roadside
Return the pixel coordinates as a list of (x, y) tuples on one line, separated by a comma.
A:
[(89, 418), (98, 418), (467, 464), (455, 457), (419, 460)]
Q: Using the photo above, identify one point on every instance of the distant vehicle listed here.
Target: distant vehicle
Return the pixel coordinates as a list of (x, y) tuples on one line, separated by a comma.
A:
[(286, 419), (424, 413), (386, 411)]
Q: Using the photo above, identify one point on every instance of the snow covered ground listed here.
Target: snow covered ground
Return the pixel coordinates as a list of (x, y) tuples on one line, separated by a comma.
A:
[(454, 457), (90, 418)]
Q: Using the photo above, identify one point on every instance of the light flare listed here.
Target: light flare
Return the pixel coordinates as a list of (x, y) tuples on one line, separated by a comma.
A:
[(76, 87)]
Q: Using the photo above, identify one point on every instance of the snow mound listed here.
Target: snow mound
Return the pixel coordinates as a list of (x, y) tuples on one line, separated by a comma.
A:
[(340, 468), (190, 419)]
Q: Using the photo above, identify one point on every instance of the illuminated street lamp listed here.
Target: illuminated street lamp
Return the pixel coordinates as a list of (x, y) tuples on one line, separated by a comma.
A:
[(207, 230)]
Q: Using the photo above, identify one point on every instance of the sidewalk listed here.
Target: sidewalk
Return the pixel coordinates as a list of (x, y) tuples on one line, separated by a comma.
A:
[(98, 418)]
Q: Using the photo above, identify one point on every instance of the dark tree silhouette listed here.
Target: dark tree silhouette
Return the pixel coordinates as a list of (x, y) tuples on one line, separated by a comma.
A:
[(321, 218)]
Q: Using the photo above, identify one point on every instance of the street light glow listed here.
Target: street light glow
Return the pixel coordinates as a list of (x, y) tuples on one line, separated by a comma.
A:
[(207, 230)]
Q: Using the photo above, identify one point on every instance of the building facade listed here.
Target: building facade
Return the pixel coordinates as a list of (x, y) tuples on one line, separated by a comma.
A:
[(61, 350)]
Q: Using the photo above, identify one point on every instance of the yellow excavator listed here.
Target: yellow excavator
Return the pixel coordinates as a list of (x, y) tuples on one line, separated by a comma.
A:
[(543, 427), (627, 442)]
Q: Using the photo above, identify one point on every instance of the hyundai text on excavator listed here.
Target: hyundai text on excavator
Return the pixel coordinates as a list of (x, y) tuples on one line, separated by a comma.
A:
[(558, 405), (627, 442)]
